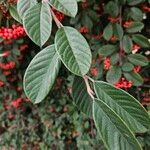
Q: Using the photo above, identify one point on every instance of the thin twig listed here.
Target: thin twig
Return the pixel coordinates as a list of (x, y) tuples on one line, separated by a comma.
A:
[(89, 90), (58, 23)]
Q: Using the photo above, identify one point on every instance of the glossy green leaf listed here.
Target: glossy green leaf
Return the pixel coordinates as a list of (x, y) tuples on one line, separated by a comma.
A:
[(127, 67), (141, 40), (41, 73), (80, 96), (14, 13), (135, 27), (114, 59), (127, 44), (107, 50), (38, 23), (134, 2), (134, 77), (136, 14), (124, 105), (108, 32), (112, 8), (73, 50), (24, 5), (118, 31), (68, 7), (113, 131), (138, 59), (114, 74)]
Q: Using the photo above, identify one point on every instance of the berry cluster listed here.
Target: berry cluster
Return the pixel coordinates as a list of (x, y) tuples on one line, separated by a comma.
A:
[(107, 63), (60, 16), (17, 102), (8, 66), (2, 83), (84, 30), (123, 83), (13, 32)]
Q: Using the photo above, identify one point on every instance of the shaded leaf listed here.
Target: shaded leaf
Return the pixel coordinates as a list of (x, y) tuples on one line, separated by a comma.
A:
[(73, 50), (38, 23), (41, 73)]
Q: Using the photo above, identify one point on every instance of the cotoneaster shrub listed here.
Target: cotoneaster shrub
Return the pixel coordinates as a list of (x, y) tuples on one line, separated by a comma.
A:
[(119, 42)]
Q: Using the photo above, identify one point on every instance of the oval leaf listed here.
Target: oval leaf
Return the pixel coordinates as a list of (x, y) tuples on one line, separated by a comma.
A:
[(108, 32), (113, 131), (114, 74), (40, 74), (14, 13), (138, 59), (134, 77), (38, 23), (24, 5), (141, 40), (118, 31), (68, 7), (73, 50), (135, 27), (124, 105), (107, 50), (80, 96), (127, 44)]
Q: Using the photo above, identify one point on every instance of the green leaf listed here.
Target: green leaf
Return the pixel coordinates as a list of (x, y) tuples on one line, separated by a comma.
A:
[(108, 32), (113, 131), (134, 2), (41, 73), (127, 67), (80, 96), (118, 31), (124, 105), (14, 13), (107, 50), (136, 14), (138, 59), (24, 5), (68, 7), (112, 8), (73, 50), (141, 40), (135, 78), (127, 44), (114, 74), (38, 23), (135, 27), (114, 59)]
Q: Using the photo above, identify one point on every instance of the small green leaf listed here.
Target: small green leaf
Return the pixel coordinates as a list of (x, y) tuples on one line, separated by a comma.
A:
[(127, 67), (138, 59), (127, 44), (141, 40), (108, 32), (124, 105), (14, 13), (80, 96), (73, 50), (112, 8), (118, 31), (113, 75), (134, 77), (41, 73), (68, 7), (136, 14), (24, 5), (113, 131), (135, 27), (38, 23), (114, 59), (107, 50), (134, 2)]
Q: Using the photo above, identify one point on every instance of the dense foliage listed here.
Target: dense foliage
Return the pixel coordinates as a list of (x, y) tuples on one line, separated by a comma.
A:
[(104, 41)]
